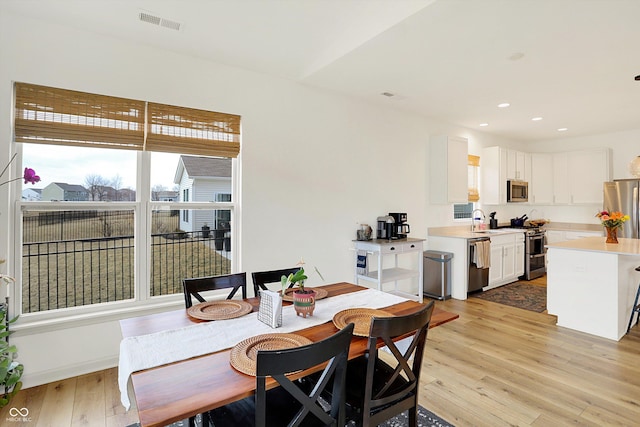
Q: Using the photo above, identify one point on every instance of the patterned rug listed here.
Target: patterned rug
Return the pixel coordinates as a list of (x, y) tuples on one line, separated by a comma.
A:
[(518, 294), (425, 419)]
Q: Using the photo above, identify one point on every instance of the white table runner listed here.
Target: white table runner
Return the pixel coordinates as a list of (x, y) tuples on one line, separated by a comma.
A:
[(148, 351)]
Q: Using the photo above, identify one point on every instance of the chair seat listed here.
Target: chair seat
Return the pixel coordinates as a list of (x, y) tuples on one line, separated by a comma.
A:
[(282, 407)]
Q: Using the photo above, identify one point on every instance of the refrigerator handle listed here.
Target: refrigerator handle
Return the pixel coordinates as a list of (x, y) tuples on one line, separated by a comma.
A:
[(635, 218)]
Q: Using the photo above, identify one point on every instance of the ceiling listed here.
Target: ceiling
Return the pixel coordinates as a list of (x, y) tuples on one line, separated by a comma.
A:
[(571, 62)]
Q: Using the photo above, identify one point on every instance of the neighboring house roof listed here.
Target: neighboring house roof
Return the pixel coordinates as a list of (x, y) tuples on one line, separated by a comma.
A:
[(69, 187), (196, 167), (35, 190)]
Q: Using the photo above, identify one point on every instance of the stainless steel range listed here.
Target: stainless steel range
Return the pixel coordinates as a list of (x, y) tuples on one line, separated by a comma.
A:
[(535, 253)]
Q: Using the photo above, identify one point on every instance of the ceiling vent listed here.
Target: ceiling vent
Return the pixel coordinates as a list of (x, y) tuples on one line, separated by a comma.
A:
[(151, 18)]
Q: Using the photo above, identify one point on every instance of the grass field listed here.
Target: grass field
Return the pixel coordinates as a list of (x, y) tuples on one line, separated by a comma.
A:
[(87, 267)]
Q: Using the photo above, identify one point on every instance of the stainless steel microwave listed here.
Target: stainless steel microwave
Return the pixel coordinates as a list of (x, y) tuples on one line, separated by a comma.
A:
[(517, 191)]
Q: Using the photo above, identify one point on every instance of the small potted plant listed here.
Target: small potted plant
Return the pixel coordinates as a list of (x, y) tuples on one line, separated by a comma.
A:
[(304, 300)]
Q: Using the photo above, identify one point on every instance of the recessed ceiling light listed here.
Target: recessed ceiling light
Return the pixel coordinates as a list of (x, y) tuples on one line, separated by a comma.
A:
[(484, 124), (503, 105), (638, 77), (562, 129), (536, 119)]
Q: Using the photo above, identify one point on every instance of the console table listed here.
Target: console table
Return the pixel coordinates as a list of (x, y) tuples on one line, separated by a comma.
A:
[(381, 249)]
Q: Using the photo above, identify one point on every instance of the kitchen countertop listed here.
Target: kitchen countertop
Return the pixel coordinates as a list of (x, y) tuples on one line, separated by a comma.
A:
[(597, 244), (464, 232)]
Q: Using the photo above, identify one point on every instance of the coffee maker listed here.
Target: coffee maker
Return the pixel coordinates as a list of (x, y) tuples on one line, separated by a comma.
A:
[(401, 228), (386, 227)]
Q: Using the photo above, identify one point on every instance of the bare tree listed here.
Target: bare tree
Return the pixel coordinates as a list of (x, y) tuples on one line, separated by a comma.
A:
[(155, 190), (97, 186), (116, 183)]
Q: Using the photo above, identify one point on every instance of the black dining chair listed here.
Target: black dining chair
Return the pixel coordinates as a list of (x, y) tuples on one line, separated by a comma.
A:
[(193, 286), (380, 388), (294, 402), (261, 278)]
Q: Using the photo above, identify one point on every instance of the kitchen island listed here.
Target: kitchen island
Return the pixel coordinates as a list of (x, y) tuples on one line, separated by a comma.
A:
[(591, 284)]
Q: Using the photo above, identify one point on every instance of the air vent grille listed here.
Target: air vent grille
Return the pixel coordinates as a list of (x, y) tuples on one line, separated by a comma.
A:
[(151, 18)]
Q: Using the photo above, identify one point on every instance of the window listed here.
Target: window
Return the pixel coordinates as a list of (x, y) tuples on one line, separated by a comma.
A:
[(465, 210), (79, 251)]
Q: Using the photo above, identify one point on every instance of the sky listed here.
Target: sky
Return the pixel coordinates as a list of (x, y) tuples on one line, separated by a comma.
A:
[(72, 165)]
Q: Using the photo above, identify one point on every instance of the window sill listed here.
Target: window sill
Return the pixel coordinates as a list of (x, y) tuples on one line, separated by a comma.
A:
[(37, 323)]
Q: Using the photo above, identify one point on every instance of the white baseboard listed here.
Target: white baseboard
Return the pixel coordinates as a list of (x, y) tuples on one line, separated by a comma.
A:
[(49, 376)]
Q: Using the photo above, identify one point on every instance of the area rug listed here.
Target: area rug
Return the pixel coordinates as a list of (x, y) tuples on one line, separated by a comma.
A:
[(425, 419), (517, 294)]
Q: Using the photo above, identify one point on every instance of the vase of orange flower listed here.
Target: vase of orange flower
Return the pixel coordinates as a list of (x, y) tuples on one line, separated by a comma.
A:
[(612, 221)]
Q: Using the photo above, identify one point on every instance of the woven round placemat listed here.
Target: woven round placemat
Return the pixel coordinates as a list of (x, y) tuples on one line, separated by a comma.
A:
[(243, 355), (219, 310), (288, 293), (360, 317)]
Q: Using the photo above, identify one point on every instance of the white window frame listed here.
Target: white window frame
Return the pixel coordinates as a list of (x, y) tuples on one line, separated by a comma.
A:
[(142, 303)]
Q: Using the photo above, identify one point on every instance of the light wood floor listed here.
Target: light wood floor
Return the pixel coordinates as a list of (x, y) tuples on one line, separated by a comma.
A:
[(494, 366)]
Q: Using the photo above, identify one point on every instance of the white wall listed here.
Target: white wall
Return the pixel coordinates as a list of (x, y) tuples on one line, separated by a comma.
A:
[(314, 164)]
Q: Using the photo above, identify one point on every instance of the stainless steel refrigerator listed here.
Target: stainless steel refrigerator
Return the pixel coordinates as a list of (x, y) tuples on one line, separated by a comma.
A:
[(622, 195)]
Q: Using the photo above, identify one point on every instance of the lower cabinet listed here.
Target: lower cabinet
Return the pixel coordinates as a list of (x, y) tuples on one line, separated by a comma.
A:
[(507, 259)]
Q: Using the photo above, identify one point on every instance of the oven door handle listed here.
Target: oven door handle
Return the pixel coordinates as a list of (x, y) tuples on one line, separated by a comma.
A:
[(537, 256)]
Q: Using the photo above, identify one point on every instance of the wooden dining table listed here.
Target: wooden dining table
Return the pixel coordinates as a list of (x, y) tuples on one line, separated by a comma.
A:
[(179, 390)]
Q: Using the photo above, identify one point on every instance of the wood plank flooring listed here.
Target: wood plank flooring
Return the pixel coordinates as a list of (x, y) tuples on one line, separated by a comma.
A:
[(494, 366)]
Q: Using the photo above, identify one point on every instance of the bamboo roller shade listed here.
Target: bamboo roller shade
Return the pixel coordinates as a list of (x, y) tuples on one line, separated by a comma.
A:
[(65, 117)]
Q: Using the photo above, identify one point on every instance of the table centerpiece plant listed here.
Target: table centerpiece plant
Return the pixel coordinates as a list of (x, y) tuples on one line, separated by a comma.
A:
[(304, 300), (612, 221)]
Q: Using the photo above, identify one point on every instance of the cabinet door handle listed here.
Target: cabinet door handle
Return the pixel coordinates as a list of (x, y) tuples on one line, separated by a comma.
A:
[(413, 246), (392, 248)]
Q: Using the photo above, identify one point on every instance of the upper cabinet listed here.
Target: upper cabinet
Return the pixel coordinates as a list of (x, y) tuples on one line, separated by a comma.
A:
[(448, 170), (588, 170), (518, 165), (573, 177), (578, 176), (541, 183), (498, 166)]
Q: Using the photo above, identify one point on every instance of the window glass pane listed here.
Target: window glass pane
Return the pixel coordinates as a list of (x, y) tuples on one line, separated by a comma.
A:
[(462, 211), (80, 174), (76, 258), (182, 249), (192, 178)]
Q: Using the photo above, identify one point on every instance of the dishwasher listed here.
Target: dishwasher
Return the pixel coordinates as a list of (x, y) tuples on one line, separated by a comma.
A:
[(478, 277)]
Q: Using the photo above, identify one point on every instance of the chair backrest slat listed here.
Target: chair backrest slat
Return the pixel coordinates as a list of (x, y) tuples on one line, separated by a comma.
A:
[(261, 278), (277, 363), (402, 383), (193, 286)]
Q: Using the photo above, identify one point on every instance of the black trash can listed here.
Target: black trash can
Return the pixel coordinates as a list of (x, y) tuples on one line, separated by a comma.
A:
[(437, 274)]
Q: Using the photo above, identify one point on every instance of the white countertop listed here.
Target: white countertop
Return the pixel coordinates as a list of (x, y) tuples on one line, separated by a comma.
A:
[(597, 244), (464, 232)]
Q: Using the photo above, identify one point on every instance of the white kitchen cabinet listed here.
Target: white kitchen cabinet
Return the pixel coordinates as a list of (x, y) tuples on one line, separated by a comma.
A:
[(498, 165), (578, 176), (507, 259), (378, 250), (561, 183), (541, 184), (494, 176), (448, 169), (588, 170), (518, 165)]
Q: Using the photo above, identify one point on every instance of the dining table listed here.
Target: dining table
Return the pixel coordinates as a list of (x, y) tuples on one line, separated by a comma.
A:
[(181, 389)]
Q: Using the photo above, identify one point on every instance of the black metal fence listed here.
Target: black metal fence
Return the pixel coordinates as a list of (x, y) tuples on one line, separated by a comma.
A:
[(74, 272)]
